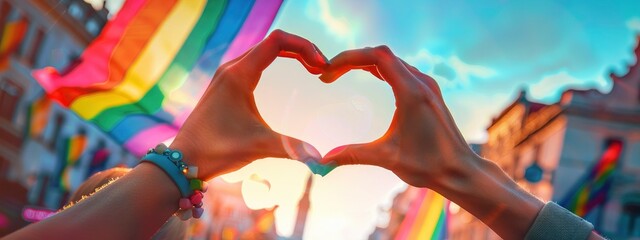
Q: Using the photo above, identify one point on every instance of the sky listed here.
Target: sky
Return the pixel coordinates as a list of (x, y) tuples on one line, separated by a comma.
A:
[(481, 52)]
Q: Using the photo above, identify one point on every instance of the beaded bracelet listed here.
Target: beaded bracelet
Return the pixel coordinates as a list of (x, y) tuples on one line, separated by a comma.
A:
[(185, 177)]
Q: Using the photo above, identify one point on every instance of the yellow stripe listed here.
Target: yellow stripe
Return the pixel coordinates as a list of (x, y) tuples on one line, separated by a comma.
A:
[(151, 64), (431, 220), (418, 222)]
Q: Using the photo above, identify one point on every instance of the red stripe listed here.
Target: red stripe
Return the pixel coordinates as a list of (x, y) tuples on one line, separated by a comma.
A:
[(136, 35)]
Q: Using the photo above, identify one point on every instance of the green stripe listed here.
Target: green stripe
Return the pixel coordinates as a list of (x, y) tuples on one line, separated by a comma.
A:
[(438, 231), (175, 74)]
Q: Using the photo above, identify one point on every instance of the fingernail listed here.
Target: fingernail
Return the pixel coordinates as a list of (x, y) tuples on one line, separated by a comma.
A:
[(310, 151), (317, 168), (335, 151)]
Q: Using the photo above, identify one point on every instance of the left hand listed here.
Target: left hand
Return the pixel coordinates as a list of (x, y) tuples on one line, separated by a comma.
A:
[(225, 130)]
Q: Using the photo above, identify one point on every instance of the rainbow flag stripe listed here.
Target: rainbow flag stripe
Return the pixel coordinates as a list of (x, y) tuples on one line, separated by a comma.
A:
[(12, 36), (38, 115), (594, 186), (426, 217), (141, 78), (74, 148)]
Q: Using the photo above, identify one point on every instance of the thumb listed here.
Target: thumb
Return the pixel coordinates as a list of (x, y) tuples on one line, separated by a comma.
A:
[(293, 148), (350, 155)]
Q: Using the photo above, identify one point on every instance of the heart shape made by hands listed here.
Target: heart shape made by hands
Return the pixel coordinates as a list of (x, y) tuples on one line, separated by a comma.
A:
[(295, 103)]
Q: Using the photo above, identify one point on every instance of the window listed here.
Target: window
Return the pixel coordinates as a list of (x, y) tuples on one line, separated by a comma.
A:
[(93, 27), (57, 127), (22, 48), (631, 219), (77, 11), (10, 94), (36, 45)]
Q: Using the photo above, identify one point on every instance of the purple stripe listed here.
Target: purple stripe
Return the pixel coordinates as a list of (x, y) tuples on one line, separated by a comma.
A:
[(149, 137), (254, 29)]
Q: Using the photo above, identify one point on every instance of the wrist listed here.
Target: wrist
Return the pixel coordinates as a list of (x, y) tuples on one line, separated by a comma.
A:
[(184, 176), (190, 156), (485, 191)]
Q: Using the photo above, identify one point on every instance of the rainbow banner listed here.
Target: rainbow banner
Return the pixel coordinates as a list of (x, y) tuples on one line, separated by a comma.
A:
[(72, 152), (12, 36), (592, 190), (38, 115), (141, 78), (426, 217), (98, 161)]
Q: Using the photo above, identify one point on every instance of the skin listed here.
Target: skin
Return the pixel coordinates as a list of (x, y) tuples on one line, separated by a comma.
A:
[(225, 132), (424, 147)]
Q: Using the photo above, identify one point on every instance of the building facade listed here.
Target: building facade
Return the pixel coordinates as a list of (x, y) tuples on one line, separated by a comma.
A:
[(36, 176), (550, 149), (51, 33)]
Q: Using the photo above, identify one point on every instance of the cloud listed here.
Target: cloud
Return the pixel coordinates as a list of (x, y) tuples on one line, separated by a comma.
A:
[(340, 27), (465, 71), (444, 70), (634, 24), (549, 88), (449, 71)]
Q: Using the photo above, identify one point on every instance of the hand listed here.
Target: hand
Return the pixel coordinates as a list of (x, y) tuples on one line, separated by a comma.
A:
[(225, 131), (422, 145)]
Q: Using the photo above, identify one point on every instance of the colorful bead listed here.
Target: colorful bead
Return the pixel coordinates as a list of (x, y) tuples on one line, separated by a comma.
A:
[(175, 155), (192, 205), (185, 203), (196, 198), (197, 212), (196, 184), (192, 172), (205, 186), (160, 148)]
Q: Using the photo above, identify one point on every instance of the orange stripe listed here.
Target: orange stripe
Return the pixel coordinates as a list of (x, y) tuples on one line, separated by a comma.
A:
[(139, 31), (11, 39)]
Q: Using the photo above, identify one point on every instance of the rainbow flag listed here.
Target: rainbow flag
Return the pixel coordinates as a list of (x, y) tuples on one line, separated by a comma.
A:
[(12, 36), (98, 161), (73, 149), (38, 115), (426, 217), (593, 189), (142, 76)]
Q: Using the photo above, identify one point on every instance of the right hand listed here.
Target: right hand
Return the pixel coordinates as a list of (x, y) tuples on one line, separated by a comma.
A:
[(225, 131), (423, 145)]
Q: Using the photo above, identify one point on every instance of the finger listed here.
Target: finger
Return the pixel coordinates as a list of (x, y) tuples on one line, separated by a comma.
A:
[(389, 67), (426, 79), (311, 69), (280, 43), (282, 146), (352, 154), (374, 71)]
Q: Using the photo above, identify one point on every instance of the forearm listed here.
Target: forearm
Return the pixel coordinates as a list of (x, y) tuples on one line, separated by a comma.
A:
[(489, 194), (134, 207)]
